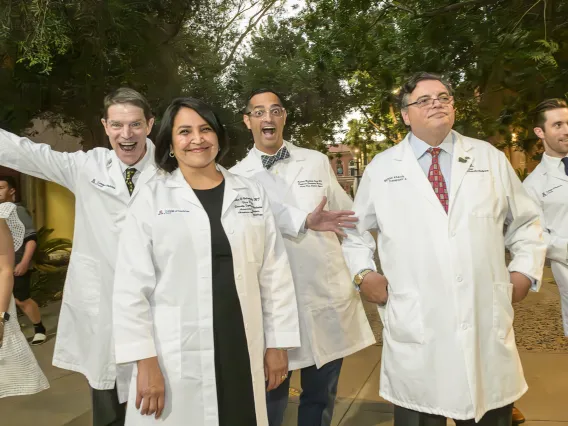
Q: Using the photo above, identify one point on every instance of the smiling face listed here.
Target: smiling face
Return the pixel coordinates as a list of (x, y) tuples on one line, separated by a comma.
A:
[(432, 118), (127, 128), (554, 132), (194, 142), (266, 119)]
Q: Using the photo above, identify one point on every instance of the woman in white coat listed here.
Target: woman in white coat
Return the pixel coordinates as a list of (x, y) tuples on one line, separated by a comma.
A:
[(19, 371), (204, 302)]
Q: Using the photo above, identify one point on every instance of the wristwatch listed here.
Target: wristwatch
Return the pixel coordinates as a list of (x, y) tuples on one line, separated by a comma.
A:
[(358, 280), (4, 316)]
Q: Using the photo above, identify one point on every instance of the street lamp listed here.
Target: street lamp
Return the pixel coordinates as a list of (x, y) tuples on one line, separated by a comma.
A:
[(357, 174), (356, 151)]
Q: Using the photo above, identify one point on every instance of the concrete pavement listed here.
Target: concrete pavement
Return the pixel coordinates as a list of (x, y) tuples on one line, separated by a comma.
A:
[(67, 402)]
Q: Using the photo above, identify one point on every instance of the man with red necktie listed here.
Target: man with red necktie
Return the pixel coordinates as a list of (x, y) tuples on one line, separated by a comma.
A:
[(439, 202)]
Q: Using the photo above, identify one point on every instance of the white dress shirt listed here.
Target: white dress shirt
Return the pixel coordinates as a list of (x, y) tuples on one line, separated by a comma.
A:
[(424, 158), (138, 166)]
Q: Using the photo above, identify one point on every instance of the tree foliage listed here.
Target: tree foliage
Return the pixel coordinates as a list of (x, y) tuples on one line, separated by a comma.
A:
[(334, 57)]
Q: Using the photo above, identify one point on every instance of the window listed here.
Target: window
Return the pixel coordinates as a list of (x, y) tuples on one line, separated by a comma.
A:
[(352, 168)]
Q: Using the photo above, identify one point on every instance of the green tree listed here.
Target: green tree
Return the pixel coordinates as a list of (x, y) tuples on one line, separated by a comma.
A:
[(60, 57)]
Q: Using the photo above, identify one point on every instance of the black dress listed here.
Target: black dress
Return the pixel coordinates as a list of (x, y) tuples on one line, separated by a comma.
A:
[(235, 396)]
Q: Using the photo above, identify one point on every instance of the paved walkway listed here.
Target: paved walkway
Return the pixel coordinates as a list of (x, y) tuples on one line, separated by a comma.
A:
[(67, 402)]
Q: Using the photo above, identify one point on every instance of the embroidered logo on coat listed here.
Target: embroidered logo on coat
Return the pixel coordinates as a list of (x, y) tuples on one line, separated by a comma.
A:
[(171, 211), (550, 191), (100, 184)]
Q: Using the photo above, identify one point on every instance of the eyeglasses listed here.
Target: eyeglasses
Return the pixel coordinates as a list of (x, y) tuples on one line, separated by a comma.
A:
[(259, 113), (428, 102)]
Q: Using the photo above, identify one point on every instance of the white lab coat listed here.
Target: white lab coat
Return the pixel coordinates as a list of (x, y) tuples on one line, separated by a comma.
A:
[(548, 185), (163, 292), (449, 346), (84, 335), (333, 323)]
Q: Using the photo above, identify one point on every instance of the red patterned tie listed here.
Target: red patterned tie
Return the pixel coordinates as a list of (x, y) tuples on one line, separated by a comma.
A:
[(437, 179)]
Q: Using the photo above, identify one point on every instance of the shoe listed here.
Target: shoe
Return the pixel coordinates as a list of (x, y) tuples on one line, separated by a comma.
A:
[(38, 339), (518, 417)]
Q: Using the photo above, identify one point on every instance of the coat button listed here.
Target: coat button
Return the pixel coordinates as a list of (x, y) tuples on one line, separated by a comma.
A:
[(453, 233), (231, 231), (239, 276), (465, 326), (459, 278)]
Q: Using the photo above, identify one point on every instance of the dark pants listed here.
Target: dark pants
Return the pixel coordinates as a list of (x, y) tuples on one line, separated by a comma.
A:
[(499, 417), (319, 388), (107, 411)]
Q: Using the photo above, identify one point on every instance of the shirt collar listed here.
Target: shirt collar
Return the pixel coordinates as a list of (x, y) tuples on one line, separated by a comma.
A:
[(420, 147), (259, 153), (552, 163), (138, 166)]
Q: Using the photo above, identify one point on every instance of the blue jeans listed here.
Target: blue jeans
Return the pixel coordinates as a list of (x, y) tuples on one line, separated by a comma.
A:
[(319, 388)]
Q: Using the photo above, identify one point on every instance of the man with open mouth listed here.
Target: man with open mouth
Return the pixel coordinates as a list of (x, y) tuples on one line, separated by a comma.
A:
[(103, 181), (333, 324)]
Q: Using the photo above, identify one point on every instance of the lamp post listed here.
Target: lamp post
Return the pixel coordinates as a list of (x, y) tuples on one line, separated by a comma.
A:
[(356, 186)]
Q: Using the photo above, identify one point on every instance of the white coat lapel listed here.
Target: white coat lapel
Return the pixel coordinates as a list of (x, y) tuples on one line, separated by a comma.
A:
[(558, 174), (176, 180), (146, 174), (415, 175), (115, 173), (232, 185), (253, 167), (294, 167), (149, 169), (462, 160)]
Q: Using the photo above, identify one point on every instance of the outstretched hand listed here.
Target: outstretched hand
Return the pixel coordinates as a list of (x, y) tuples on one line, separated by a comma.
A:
[(330, 221)]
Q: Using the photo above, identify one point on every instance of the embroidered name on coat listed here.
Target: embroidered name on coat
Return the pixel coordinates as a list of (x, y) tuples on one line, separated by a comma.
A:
[(395, 178), (472, 170), (249, 206), (310, 183)]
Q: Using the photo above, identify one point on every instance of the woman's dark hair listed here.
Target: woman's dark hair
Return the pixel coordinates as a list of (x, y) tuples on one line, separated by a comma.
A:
[(164, 137)]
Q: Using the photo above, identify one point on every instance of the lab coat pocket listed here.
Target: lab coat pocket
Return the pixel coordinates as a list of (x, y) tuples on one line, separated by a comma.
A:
[(481, 194), (83, 290), (503, 312), (334, 328), (404, 317), (309, 198), (167, 338)]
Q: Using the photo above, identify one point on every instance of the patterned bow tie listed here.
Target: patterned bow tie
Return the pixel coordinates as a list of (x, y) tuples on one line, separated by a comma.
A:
[(269, 160)]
